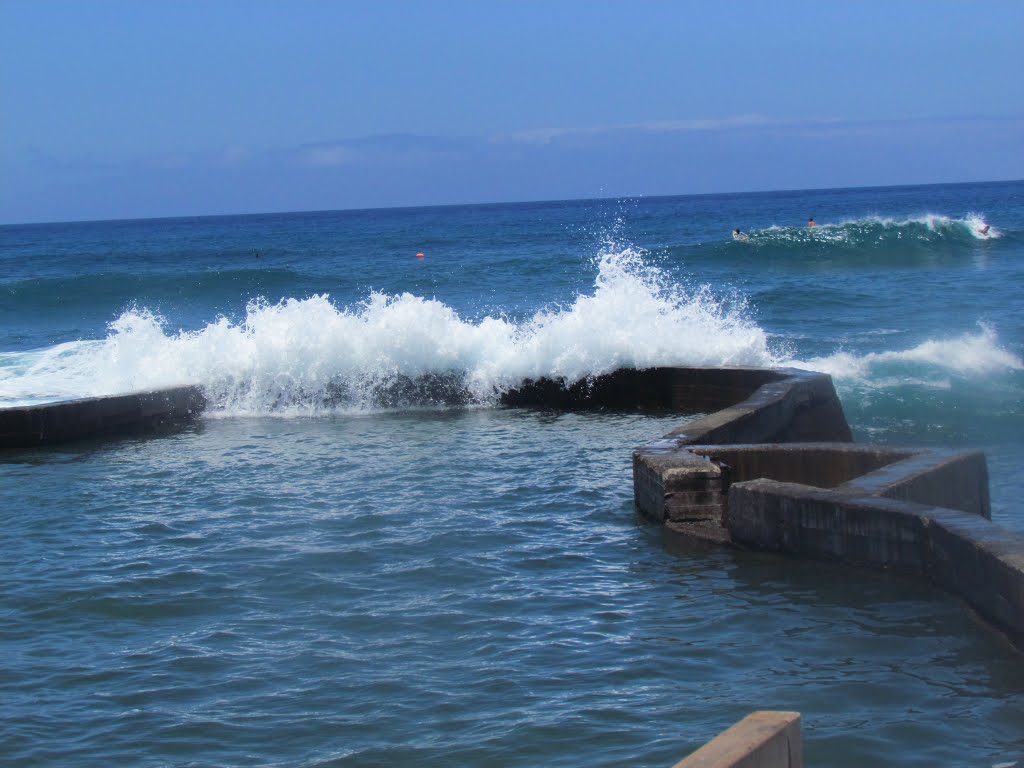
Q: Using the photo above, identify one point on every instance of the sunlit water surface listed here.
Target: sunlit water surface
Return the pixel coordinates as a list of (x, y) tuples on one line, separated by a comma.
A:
[(274, 591)]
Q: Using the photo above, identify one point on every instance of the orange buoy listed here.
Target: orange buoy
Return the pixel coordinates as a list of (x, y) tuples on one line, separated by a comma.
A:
[(419, 255)]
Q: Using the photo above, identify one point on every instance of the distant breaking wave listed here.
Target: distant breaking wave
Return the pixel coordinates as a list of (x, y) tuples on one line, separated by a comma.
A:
[(880, 232)]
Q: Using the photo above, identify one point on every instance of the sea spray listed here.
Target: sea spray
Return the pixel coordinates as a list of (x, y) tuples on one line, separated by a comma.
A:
[(308, 355), (930, 363), (944, 391)]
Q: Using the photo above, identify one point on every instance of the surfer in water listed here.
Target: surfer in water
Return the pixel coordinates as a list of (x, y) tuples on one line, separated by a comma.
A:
[(738, 235), (983, 231), (811, 222)]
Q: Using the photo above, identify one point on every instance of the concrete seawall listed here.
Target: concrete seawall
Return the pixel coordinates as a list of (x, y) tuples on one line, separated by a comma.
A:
[(962, 552), (777, 471), (139, 413), (673, 485), (769, 464)]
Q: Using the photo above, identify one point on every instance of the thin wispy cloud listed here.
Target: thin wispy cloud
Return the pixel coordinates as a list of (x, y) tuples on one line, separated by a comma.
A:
[(689, 125), (627, 159), (329, 156)]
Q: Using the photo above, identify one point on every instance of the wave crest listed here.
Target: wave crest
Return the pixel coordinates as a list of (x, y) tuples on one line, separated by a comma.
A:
[(880, 231), (309, 355), (930, 363)]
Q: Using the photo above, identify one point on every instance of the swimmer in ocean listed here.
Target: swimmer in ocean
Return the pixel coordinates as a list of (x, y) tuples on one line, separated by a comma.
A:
[(811, 222), (738, 235), (981, 230)]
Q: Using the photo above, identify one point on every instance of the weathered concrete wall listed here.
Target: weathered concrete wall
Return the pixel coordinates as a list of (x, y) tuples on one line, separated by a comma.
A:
[(777, 471), (683, 390), (935, 476), (705, 390), (627, 388), (922, 511), (801, 520), (825, 465), (941, 477), (54, 423), (760, 740), (743, 404), (684, 491), (673, 485), (962, 552), (980, 561), (792, 406)]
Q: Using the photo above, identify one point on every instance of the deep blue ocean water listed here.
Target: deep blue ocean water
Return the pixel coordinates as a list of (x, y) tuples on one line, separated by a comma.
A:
[(340, 567)]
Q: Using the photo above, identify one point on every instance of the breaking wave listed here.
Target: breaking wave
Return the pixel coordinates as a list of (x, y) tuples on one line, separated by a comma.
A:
[(309, 355), (877, 232), (933, 363)]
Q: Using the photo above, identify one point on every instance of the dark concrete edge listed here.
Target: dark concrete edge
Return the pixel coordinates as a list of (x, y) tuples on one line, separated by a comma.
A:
[(916, 461), (791, 391), (75, 402), (624, 387), (155, 412), (965, 554), (904, 489), (53, 423), (786, 405), (907, 464), (910, 480)]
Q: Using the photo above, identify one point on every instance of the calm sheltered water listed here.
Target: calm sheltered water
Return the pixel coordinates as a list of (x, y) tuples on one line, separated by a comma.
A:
[(315, 592)]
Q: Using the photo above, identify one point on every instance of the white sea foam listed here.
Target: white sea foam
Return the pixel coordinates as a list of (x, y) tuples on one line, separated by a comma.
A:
[(972, 224), (304, 355), (929, 364), (308, 355), (926, 226)]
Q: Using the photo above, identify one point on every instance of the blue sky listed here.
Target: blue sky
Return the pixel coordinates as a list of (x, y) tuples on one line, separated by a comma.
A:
[(137, 109)]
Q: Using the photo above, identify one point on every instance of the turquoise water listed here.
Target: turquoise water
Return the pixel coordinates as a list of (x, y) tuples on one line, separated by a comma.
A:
[(337, 566)]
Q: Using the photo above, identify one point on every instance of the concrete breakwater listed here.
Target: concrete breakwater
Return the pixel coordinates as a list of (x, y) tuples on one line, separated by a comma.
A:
[(777, 471), (99, 417), (770, 465)]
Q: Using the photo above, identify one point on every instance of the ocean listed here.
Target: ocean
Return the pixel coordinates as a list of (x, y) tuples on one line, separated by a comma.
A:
[(357, 557)]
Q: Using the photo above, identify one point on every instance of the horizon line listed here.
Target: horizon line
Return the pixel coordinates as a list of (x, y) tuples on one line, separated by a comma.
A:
[(179, 217)]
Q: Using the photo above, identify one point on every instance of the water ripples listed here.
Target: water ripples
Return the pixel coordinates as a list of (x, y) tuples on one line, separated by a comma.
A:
[(457, 587)]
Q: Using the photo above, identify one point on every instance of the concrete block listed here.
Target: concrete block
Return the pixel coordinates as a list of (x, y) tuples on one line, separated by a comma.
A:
[(666, 476), (760, 740), (980, 561), (143, 412), (812, 522)]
